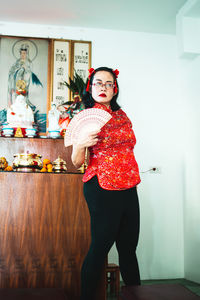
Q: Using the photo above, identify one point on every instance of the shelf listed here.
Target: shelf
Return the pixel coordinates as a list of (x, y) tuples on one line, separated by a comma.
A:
[(37, 137), (46, 147), (51, 173)]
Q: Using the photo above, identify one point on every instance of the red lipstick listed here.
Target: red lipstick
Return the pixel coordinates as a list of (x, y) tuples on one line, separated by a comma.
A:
[(102, 95)]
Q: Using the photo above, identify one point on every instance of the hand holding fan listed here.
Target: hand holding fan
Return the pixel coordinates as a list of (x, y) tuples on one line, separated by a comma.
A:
[(86, 121)]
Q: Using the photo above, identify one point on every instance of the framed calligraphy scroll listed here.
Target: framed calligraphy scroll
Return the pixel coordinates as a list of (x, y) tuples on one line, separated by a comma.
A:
[(61, 71), (81, 58)]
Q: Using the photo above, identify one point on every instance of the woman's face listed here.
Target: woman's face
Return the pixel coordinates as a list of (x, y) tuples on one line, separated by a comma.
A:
[(103, 87)]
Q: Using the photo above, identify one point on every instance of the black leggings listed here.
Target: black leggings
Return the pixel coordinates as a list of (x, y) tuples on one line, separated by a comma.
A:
[(114, 218)]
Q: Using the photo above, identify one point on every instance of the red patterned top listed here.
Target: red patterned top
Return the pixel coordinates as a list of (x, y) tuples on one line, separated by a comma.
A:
[(112, 158)]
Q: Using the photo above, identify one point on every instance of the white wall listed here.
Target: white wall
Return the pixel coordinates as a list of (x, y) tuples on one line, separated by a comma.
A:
[(149, 94), (190, 70), (188, 34)]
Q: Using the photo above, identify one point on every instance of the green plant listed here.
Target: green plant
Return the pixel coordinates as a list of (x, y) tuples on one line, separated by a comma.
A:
[(76, 85)]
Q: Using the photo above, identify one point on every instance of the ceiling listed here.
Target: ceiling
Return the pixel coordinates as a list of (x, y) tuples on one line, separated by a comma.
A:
[(158, 16)]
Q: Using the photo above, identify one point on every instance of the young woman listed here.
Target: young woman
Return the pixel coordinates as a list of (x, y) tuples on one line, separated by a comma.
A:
[(109, 184)]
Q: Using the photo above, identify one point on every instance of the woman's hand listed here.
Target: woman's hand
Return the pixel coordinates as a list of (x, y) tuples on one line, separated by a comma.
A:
[(87, 140), (84, 141)]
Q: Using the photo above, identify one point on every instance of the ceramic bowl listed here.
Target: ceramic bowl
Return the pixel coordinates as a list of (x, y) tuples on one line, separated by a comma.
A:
[(7, 131), (30, 132), (54, 134)]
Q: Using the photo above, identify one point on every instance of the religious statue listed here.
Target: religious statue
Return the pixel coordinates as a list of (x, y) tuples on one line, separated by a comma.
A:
[(20, 114), (53, 118)]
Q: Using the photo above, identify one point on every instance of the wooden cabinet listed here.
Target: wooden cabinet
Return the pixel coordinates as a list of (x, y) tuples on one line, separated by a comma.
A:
[(44, 226)]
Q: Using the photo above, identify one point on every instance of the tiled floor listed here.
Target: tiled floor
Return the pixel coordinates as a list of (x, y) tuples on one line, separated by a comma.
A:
[(192, 286)]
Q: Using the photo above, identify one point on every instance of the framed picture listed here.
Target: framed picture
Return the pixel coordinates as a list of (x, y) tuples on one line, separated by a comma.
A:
[(44, 65), (81, 58), (25, 59), (61, 71)]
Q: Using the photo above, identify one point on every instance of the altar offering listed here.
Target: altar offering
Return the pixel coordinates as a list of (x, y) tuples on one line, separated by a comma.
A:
[(7, 131), (59, 165), (3, 163), (30, 132), (27, 162), (18, 132), (47, 166), (54, 134)]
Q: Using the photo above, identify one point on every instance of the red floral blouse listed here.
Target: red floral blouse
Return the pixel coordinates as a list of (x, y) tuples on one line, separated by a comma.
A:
[(112, 158)]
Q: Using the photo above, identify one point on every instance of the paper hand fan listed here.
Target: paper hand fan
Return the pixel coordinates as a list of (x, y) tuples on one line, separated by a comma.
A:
[(84, 122)]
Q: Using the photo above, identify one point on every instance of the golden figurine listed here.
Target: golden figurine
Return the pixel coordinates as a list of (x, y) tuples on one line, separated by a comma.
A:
[(18, 132)]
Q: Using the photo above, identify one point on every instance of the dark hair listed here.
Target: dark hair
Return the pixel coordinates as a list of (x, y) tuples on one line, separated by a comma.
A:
[(87, 97)]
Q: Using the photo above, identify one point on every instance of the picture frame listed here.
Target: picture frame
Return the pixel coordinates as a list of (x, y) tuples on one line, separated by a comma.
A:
[(50, 62), (34, 70), (61, 70), (81, 58)]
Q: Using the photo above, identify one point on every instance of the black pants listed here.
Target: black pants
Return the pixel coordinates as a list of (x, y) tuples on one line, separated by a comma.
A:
[(114, 218)]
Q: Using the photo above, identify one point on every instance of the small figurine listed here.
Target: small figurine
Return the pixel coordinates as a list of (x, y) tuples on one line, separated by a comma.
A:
[(18, 132), (53, 118)]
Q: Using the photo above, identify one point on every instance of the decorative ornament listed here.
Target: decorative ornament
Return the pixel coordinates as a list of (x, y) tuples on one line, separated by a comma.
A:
[(116, 72), (21, 87), (59, 165), (91, 70), (18, 132)]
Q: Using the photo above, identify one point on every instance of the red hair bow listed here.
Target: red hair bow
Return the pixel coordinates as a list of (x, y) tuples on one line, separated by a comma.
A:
[(91, 70), (116, 72)]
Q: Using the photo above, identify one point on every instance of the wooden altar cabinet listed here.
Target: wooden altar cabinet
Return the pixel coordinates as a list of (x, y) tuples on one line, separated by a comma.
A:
[(44, 226)]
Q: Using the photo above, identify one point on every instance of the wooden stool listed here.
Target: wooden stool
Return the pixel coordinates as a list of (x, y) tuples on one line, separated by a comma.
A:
[(113, 278)]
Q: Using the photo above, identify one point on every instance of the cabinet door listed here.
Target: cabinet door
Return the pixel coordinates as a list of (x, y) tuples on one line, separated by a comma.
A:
[(44, 232)]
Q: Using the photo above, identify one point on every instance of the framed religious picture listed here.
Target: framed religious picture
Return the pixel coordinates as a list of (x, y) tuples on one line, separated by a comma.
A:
[(24, 60), (41, 66), (81, 58), (61, 71)]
